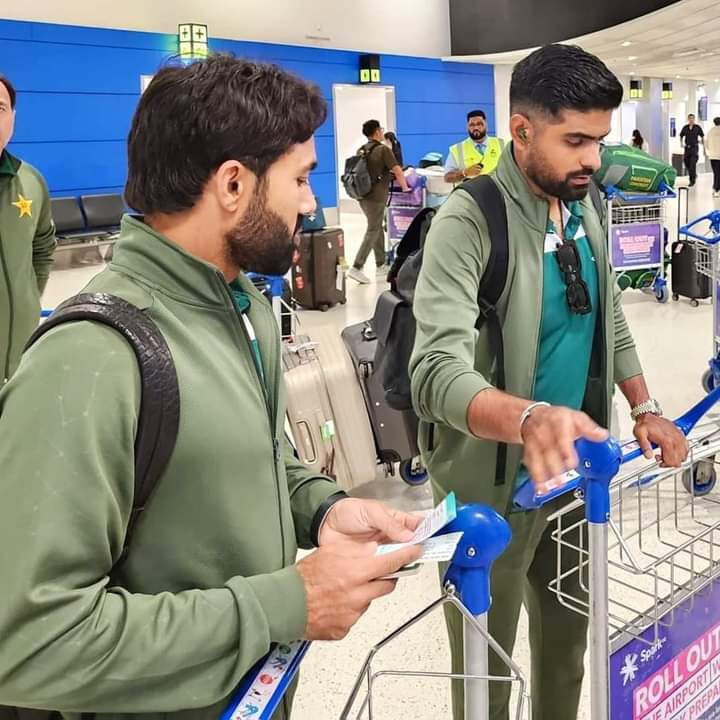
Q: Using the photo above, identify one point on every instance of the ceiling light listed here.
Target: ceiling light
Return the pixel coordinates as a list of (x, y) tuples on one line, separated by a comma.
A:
[(632, 57), (627, 43), (632, 72), (677, 76)]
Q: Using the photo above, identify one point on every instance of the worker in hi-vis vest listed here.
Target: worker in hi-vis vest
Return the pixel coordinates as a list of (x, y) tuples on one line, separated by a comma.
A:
[(477, 155)]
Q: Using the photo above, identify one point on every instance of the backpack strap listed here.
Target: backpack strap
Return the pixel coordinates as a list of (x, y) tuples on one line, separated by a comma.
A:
[(485, 192), (160, 396)]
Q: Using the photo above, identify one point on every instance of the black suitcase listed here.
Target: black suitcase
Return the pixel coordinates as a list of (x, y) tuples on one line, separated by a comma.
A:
[(318, 271), (395, 431), (686, 280)]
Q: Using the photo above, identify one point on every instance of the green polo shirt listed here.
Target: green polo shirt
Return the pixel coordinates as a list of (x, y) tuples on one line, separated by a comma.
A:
[(566, 339)]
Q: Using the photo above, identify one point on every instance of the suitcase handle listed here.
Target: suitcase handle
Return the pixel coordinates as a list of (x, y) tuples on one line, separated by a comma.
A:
[(306, 442)]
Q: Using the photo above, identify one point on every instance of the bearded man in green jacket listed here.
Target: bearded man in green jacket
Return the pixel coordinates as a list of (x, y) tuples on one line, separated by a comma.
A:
[(566, 345), (220, 153), (27, 241)]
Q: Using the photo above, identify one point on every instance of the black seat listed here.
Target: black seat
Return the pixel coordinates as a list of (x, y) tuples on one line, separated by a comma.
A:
[(68, 217), (103, 212)]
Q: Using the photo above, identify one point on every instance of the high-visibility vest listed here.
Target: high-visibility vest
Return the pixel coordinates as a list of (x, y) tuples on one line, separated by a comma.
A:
[(466, 154)]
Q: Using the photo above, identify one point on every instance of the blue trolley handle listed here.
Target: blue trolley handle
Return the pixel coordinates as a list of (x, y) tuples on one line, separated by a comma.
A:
[(714, 218), (665, 192), (525, 497)]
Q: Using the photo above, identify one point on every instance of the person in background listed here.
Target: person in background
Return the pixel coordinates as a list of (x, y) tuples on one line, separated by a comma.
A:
[(219, 160), (383, 165), (691, 136), (566, 343), (27, 241), (637, 140), (391, 139), (712, 148), (477, 154)]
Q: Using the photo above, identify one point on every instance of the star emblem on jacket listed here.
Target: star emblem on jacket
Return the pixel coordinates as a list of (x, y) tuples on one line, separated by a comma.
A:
[(24, 206)]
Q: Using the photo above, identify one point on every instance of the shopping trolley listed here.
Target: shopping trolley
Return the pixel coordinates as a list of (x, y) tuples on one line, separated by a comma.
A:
[(646, 558), (704, 234), (485, 535), (637, 237), (466, 587)]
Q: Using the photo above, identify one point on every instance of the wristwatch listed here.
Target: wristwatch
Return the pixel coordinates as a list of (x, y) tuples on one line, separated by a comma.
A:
[(649, 407)]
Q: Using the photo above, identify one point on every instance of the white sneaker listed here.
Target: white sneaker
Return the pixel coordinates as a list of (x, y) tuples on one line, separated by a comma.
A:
[(383, 270), (358, 276), (716, 194)]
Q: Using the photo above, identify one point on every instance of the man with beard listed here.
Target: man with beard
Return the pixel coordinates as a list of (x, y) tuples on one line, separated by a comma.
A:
[(566, 344), (476, 155), (219, 157)]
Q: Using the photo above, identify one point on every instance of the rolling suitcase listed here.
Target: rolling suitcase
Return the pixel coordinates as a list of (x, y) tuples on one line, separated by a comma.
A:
[(318, 271), (328, 431), (357, 458), (395, 431), (686, 280)]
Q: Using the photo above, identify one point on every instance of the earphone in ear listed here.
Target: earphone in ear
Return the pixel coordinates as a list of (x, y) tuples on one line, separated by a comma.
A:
[(522, 132)]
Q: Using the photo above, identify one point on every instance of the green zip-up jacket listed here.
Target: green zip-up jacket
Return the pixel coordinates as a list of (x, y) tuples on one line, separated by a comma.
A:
[(209, 581), (27, 242), (451, 363)]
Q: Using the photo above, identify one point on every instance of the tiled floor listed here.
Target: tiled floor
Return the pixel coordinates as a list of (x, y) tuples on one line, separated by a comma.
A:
[(674, 343)]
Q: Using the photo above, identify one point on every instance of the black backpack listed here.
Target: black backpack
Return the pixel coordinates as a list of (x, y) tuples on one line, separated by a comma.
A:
[(159, 407), (357, 180), (394, 321)]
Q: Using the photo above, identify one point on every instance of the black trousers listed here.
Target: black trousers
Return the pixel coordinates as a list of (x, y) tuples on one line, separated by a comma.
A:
[(691, 161), (716, 174)]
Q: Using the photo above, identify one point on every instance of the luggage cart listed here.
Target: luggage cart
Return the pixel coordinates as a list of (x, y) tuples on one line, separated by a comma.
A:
[(637, 236), (401, 211), (467, 587), (704, 233), (648, 565)]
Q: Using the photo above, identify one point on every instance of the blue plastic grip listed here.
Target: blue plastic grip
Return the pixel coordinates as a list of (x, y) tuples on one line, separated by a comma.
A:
[(485, 535), (598, 464)]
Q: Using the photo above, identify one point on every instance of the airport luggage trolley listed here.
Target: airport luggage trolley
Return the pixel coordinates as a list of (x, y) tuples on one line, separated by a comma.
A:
[(637, 237), (485, 535), (704, 233), (467, 587), (647, 558), (401, 211)]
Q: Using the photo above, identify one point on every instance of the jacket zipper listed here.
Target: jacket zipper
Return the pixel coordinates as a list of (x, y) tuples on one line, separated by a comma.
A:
[(11, 309), (275, 442)]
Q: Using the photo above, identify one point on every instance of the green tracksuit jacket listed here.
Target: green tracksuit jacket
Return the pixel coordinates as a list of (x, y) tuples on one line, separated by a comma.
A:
[(209, 581), (27, 242), (451, 363)]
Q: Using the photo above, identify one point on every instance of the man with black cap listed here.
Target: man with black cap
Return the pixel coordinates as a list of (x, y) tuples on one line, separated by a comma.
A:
[(476, 155)]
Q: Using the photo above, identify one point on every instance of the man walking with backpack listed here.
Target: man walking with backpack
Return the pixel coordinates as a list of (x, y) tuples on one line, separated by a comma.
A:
[(381, 165), (166, 623), (499, 407)]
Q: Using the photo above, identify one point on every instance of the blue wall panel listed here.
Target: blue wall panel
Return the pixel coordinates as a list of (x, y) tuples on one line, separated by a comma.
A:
[(78, 88)]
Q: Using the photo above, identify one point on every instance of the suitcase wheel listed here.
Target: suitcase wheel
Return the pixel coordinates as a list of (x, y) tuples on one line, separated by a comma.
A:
[(323, 308), (413, 472), (694, 302), (676, 297)]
